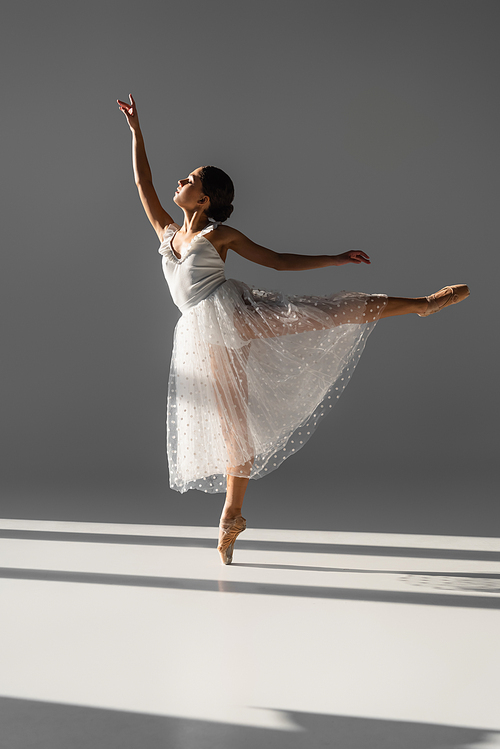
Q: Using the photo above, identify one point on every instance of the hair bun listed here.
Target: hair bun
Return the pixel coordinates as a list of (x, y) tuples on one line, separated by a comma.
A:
[(218, 186), (222, 213)]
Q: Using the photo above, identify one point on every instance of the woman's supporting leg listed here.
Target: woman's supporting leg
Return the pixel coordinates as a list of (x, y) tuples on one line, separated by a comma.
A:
[(236, 488), (231, 522), (231, 388)]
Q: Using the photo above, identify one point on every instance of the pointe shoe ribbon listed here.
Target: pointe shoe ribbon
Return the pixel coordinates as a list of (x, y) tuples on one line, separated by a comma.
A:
[(444, 297), (229, 533)]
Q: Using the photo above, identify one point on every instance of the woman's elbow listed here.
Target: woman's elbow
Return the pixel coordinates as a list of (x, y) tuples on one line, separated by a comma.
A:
[(279, 262)]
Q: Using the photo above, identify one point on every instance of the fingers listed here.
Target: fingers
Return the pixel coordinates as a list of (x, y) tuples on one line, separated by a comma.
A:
[(358, 256), (362, 255), (126, 108), (353, 256)]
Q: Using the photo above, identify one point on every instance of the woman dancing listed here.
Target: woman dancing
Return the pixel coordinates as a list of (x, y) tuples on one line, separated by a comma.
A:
[(252, 371)]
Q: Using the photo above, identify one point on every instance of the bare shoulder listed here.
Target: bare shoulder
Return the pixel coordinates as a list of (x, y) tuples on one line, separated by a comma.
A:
[(227, 238), (225, 235), (166, 232), (223, 238)]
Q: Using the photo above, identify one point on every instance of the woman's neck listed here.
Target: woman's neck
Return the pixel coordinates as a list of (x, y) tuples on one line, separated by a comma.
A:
[(194, 222)]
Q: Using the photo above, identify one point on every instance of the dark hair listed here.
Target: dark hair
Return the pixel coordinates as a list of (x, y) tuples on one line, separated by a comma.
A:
[(218, 186)]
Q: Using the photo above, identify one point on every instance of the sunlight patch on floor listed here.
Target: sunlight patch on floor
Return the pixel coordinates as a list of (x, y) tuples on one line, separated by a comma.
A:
[(146, 619)]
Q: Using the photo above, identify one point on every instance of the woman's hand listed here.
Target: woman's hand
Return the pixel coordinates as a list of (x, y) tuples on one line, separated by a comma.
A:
[(130, 112), (352, 256), (155, 212)]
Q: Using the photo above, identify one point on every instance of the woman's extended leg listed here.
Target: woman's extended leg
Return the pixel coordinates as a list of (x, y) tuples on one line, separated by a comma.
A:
[(404, 306), (324, 314), (425, 305)]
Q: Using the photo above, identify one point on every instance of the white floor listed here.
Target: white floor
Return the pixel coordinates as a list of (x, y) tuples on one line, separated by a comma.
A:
[(310, 639)]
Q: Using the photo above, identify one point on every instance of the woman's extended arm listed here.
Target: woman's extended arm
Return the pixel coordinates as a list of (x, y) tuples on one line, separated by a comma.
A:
[(155, 212), (244, 246)]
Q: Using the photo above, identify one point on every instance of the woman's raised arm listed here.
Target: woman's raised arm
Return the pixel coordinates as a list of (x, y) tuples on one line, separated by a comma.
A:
[(155, 212)]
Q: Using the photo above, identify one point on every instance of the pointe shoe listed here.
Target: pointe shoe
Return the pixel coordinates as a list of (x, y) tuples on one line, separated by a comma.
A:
[(229, 533), (443, 298)]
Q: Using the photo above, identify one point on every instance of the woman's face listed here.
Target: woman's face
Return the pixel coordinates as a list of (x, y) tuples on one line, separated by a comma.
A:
[(189, 193)]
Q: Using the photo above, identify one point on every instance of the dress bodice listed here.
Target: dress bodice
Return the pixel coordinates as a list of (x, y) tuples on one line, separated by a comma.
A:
[(195, 275)]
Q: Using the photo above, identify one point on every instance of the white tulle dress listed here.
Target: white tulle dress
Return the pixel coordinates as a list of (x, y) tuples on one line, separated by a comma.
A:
[(253, 371)]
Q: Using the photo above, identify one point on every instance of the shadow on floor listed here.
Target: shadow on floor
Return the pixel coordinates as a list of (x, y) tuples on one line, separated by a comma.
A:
[(28, 724), (249, 588), (482, 555)]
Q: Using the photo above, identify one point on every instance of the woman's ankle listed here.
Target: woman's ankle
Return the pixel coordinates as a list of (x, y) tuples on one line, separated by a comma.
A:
[(423, 305), (229, 515)]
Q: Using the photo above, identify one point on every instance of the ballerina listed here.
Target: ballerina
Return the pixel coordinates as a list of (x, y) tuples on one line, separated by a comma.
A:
[(252, 371)]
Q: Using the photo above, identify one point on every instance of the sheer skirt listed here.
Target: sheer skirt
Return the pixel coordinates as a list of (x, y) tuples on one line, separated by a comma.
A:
[(252, 374)]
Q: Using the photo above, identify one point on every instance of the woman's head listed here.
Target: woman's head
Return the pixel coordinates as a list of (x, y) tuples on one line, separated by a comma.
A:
[(208, 189), (219, 188)]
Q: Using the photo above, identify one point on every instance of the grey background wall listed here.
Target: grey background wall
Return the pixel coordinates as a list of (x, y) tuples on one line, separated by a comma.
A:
[(344, 124)]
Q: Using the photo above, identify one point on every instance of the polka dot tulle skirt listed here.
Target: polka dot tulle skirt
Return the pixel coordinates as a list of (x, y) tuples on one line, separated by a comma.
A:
[(253, 373)]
